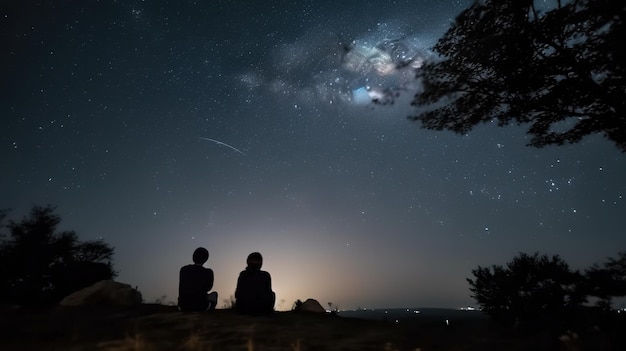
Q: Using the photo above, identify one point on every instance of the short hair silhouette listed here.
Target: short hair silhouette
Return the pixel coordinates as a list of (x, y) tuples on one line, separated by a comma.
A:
[(200, 255), (255, 260)]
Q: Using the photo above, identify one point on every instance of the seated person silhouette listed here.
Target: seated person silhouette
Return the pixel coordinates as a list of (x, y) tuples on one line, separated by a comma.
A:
[(194, 284), (254, 293)]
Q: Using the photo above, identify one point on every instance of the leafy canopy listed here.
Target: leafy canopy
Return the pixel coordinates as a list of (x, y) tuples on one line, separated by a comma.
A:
[(560, 71), (527, 289), (534, 288), (607, 281), (39, 265)]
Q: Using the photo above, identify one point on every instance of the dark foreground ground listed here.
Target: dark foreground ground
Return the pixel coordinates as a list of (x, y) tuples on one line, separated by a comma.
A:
[(156, 327)]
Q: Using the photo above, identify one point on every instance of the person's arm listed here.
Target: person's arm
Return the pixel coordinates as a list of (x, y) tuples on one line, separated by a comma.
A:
[(210, 279), (237, 289), (180, 282), (269, 282)]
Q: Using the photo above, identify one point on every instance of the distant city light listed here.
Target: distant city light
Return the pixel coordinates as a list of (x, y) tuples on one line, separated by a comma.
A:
[(468, 308)]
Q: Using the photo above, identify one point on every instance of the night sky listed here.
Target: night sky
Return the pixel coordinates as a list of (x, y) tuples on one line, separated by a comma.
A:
[(241, 126)]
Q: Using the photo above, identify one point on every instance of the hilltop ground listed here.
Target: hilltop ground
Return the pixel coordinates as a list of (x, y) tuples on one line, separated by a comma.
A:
[(157, 327)]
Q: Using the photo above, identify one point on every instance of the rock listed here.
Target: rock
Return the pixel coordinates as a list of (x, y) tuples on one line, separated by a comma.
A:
[(311, 305), (104, 293)]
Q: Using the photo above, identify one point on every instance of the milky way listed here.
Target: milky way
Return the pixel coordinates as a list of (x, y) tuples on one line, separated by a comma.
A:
[(334, 67)]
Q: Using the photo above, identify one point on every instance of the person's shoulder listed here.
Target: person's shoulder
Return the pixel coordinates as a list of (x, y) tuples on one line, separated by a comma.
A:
[(200, 268)]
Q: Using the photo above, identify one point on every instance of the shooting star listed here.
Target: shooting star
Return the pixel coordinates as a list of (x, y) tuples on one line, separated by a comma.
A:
[(221, 143)]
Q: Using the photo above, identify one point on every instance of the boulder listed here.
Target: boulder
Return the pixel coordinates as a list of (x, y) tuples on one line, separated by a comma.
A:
[(104, 293), (311, 305)]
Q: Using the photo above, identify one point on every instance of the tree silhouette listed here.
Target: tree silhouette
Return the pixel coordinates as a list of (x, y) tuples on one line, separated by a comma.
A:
[(560, 71), (528, 289), (607, 281), (40, 265)]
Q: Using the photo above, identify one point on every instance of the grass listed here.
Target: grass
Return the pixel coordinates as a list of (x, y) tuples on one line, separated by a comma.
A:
[(156, 327)]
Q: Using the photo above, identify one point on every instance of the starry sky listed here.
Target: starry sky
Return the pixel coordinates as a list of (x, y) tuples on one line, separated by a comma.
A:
[(241, 126)]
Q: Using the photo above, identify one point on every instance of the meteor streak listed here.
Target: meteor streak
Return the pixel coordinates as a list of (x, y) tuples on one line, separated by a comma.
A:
[(221, 143)]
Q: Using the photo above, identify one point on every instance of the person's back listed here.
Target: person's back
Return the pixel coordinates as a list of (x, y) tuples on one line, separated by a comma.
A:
[(254, 293), (195, 281)]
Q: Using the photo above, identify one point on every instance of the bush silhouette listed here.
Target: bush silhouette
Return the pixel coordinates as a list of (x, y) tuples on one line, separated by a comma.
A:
[(39, 266), (529, 289), (607, 281)]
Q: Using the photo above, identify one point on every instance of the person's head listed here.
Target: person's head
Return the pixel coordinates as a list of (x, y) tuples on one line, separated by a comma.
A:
[(255, 260), (200, 255)]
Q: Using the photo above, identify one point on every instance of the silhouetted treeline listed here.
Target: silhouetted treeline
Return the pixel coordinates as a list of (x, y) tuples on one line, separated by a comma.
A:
[(39, 265), (543, 292)]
